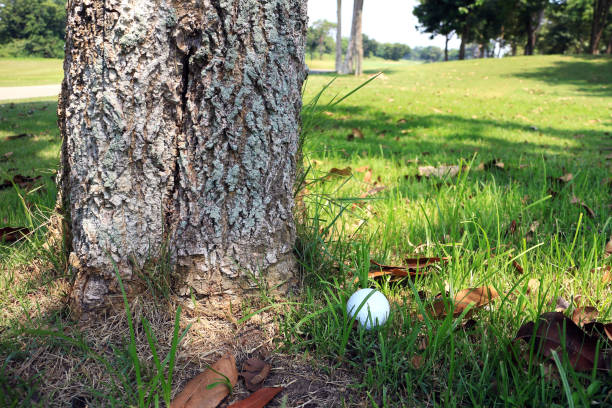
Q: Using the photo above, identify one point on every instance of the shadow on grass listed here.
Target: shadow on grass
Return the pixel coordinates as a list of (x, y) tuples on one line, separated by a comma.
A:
[(420, 135), (587, 77)]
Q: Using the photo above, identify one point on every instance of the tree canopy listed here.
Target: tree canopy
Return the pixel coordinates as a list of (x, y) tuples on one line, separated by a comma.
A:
[(32, 27)]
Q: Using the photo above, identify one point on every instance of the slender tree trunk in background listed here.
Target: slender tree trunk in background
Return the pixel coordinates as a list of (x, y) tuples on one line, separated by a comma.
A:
[(463, 41), (339, 36), (446, 47), (481, 51), (609, 47), (601, 8), (531, 37), (513, 48), (180, 124), (348, 65), (358, 38), (534, 19)]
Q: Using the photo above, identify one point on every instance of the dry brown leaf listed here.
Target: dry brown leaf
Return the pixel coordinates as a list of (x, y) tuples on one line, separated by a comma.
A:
[(254, 372), (258, 399), (478, 297), (345, 172), (533, 286), (561, 304), (555, 331), (491, 165), (208, 388), (367, 177), (362, 169), (584, 315), (22, 181), (357, 134), (19, 136), (373, 191), (10, 234), (576, 200), (417, 361), (608, 249), (441, 171), (566, 178)]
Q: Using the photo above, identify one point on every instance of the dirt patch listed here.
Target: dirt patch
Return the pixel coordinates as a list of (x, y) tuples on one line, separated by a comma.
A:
[(77, 366)]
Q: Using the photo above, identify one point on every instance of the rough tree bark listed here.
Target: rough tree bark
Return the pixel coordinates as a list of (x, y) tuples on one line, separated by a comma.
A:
[(339, 36), (352, 52), (180, 121), (601, 8)]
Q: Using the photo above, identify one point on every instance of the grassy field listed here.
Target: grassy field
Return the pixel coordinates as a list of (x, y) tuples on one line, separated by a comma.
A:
[(30, 71), (542, 117), (373, 64)]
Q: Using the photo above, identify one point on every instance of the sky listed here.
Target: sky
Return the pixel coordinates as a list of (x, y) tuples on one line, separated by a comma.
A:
[(384, 20)]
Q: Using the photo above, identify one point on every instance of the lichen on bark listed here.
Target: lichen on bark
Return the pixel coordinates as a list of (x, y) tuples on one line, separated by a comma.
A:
[(180, 122)]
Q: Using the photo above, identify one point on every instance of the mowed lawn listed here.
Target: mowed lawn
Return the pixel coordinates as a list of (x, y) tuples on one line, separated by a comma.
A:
[(523, 208), (30, 71)]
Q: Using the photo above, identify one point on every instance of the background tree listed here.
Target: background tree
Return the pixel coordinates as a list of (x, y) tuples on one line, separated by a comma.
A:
[(601, 9), (338, 35), (436, 20), (32, 27), (319, 39), (180, 126), (567, 27), (354, 54)]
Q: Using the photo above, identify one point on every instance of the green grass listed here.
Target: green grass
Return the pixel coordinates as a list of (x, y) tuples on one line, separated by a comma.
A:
[(543, 117), (373, 64), (30, 71)]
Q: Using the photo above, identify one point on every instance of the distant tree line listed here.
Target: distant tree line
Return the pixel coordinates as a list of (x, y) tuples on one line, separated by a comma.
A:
[(320, 41), (32, 28), (545, 26)]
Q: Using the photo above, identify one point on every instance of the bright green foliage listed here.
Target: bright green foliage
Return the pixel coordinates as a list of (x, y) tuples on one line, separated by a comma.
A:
[(319, 39), (32, 28)]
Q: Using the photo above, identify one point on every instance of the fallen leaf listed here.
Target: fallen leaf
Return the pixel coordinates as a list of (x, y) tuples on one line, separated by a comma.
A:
[(357, 134), (566, 178), (6, 156), (441, 171), (19, 136), (367, 177), (561, 304), (362, 169), (208, 388), (258, 399), (10, 234), (599, 330), (401, 121), (584, 315), (417, 361), (22, 181), (373, 191), (475, 297), (608, 249), (533, 286), (492, 165), (345, 172), (576, 200), (512, 227), (327, 113), (254, 372), (556, 331)]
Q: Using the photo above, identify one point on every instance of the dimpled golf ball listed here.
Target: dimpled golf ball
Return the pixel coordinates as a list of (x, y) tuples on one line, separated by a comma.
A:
[(374, 311)]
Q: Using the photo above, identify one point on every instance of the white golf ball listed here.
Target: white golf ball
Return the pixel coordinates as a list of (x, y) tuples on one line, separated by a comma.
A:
[(374, 311)]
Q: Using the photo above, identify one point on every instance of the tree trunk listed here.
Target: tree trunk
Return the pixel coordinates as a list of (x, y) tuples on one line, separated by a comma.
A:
[(463, 43), (339, 36), (180, 123), (358, 38), (348, 65), (609, 47), (531, 37), (446, 47), (601, 9)]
